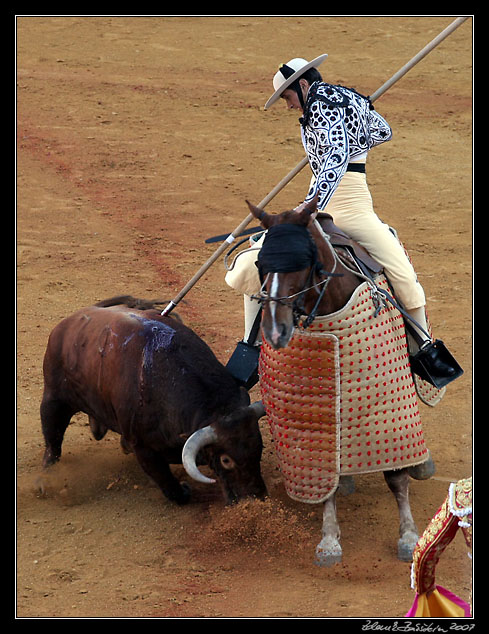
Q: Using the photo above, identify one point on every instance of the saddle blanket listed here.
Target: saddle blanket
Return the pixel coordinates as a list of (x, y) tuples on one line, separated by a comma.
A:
[(340, 399)]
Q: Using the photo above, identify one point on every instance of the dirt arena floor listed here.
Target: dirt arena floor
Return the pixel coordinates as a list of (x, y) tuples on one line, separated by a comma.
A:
[(140, 137)]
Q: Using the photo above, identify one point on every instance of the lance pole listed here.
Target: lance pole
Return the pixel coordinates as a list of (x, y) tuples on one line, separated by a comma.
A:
[(417, 58), (232, 236)]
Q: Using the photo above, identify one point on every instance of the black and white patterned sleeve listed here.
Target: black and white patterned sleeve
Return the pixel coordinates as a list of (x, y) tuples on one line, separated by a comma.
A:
[(326, 144), (380, 130)]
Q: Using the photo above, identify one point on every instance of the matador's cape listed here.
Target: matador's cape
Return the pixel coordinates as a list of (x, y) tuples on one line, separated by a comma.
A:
[(455, 512), (341, 399)]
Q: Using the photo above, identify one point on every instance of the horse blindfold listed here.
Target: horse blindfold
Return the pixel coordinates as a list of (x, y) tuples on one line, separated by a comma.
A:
[(286, 249)]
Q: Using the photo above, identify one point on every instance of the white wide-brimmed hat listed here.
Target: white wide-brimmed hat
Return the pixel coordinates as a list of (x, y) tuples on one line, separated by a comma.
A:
[(283, 77)]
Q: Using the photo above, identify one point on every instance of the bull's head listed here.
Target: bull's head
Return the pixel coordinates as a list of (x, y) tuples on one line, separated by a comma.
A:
[(232, 447)]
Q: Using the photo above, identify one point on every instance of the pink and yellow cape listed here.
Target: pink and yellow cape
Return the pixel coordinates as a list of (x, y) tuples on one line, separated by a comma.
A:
[(456, 512)]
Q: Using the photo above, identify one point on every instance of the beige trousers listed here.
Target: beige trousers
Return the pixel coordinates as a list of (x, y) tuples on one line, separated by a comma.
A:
[(352, 210)]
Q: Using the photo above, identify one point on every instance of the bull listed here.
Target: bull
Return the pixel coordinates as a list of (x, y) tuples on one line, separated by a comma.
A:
[(155, 382)]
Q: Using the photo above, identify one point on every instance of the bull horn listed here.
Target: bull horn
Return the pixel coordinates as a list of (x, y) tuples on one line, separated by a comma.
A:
[(199, 439), (258, 408)]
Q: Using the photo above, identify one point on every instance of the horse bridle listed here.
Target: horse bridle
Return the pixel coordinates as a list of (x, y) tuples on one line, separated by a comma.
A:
[(298, 304)]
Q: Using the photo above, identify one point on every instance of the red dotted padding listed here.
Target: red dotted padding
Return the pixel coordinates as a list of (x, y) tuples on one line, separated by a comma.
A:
[(341, 399)]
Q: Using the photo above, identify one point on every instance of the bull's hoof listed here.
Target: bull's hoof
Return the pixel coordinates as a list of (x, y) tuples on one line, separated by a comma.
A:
[(423, 471), (406, 546), (126, 446), (50, 457), (328, 553), (184, 495)]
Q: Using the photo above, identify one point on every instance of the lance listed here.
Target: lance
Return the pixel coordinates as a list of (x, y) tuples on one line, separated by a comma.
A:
[(242, 226)]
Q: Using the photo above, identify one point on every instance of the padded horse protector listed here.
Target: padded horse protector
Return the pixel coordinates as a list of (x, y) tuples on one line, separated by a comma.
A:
[(341, 400)]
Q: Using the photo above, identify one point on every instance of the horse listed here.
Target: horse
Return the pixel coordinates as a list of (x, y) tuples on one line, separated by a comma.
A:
[(302, 282)]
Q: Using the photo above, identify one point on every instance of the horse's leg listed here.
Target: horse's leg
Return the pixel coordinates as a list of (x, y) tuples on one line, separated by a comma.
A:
[(398, 483), (423, 471), (328, 551), (346, 485)]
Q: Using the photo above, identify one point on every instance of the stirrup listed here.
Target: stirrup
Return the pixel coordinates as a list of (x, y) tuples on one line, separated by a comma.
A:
[(243, 363), (434, 363)]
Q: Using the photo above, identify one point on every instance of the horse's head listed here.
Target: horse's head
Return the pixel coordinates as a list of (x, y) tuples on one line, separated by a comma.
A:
[(303, 215), (288, 262)]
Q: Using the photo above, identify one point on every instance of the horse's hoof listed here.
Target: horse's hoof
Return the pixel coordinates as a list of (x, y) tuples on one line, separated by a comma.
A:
[(328, 553), (406, 546), (423, 471)]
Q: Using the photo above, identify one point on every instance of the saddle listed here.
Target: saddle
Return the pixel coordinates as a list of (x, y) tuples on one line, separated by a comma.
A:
[(339, 238)]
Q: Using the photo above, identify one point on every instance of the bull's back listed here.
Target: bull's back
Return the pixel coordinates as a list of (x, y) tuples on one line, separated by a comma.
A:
[(92, 356), (116, 361)]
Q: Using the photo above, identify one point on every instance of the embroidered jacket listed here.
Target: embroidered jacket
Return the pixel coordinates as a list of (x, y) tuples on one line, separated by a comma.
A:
[(338, 126)]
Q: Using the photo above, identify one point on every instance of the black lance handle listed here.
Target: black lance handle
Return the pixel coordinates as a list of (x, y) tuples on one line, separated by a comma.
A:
[(232, 236)]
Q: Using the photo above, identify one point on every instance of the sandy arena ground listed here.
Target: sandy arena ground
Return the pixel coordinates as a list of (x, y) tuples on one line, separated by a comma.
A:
[(138, 138)]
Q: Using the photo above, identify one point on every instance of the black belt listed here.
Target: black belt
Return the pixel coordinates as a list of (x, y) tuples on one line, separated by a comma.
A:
[(356, 167)]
